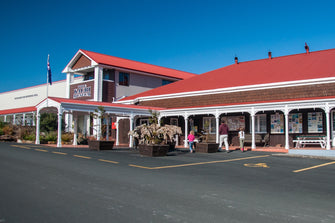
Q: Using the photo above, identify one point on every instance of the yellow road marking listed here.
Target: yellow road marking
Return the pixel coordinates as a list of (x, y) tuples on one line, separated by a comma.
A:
[(84, 157), (313, 167), (195, 164), (108, 161), (143, 167), (42, 150), (264, 165), (23, 147), (60, 153)]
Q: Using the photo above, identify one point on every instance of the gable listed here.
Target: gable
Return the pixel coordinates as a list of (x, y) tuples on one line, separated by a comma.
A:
[(81, 62)]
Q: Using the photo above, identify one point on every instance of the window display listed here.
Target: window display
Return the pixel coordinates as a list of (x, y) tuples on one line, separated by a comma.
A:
[(277, 123), (295, 123), (315, 123)]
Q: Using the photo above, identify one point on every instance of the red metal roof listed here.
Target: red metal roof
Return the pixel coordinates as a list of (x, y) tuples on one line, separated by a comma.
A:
[(138, 66), (314, 65), (17, 110)]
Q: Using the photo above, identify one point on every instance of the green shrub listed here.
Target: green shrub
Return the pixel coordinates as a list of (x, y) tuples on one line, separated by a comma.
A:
[(51, 136), (67, 137), (30, 137)]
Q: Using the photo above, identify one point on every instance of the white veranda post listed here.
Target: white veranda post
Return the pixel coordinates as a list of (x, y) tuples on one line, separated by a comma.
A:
[(38, 116), (75, 130), (287, 144), (59, 135), (186, 130), (217, 128), (131, 125), (327, 110), (253, 144)]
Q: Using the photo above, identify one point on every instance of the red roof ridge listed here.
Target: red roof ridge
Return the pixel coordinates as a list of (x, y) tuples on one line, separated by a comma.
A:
[(136, 61), (279, 57)]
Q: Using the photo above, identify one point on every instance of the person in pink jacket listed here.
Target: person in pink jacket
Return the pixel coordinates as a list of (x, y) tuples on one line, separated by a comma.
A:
[(190, 139)]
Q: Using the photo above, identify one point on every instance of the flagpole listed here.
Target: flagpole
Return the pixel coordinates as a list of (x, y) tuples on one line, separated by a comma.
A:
[(48, 80)]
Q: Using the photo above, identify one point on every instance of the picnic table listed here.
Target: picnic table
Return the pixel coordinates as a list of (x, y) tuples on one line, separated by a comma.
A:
[(302, 141)]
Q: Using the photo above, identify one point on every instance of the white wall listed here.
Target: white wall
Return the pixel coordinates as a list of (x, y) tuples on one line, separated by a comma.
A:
[(137, 84), (31, 96)]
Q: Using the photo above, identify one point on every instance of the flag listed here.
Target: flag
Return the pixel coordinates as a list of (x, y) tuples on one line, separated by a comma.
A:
[(49, 73)]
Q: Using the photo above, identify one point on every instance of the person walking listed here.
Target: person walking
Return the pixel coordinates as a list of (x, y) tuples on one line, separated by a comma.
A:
[(190, 139), (241, 137), (223, 132)]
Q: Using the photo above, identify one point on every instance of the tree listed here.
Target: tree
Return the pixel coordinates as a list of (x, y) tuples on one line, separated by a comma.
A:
[(49, 122)]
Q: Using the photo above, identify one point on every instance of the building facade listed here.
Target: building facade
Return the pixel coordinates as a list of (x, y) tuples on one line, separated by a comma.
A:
[(277, 99)]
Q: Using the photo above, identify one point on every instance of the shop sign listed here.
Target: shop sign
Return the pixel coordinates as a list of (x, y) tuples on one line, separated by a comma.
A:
[(82, 91)]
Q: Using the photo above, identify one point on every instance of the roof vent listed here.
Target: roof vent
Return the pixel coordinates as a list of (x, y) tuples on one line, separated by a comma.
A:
[(236, 60), (270, 55), (306, 48)]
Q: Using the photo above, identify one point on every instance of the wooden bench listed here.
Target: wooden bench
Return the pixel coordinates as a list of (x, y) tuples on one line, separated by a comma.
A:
[(302, 141), (258, 139)]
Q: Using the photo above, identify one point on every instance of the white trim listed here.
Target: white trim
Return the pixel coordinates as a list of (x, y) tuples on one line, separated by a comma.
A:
[(67, 68)]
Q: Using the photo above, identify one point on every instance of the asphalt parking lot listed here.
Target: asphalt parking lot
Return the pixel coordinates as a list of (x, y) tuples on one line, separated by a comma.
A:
[(61, 183)]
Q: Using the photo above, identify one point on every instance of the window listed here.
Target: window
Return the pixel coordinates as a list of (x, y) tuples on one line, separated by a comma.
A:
[(260, 123), (295, 123), (315, 123), (165, 82), (109, 74), (277, 123), (209, 125), (124, 79), (235, 122), (174, 121), (144, 121), (89, 76)]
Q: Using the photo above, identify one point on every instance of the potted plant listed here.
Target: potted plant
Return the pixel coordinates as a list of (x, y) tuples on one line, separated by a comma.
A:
[(154, 139), (206, 146), (98, 144)]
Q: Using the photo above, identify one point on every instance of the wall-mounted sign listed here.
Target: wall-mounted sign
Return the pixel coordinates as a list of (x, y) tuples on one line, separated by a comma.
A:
[(82, 91), (277, 123), (315, 122)]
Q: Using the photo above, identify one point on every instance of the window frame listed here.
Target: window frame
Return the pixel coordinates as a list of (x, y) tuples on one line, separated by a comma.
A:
[(122, 76), (258, 128)]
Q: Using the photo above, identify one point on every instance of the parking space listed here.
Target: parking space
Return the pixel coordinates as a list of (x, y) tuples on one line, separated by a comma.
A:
[(182, 159)]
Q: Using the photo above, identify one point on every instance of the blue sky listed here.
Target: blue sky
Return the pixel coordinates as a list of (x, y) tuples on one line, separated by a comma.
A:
[(190, 35)]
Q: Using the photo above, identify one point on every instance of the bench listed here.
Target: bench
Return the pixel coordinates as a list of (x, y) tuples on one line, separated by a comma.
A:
[(258, 139), (302, 141)]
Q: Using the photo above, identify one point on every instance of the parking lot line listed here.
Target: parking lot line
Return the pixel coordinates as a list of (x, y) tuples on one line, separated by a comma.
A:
[(41, 150), (195, 164), (60, 153), (108, 161), (23, 147), (84, 157), (313, 167)]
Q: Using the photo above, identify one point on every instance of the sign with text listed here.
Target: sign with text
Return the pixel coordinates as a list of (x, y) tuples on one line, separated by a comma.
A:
[(82, 91)]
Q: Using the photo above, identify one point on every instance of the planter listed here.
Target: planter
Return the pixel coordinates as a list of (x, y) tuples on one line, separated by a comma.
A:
[(100, 145), (153, 150), (204, 147)]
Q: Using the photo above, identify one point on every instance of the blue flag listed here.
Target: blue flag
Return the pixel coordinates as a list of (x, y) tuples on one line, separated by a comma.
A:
[(49, 73)]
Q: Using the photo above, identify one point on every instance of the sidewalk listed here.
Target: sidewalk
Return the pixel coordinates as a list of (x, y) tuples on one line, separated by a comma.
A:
[(315, 152)]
